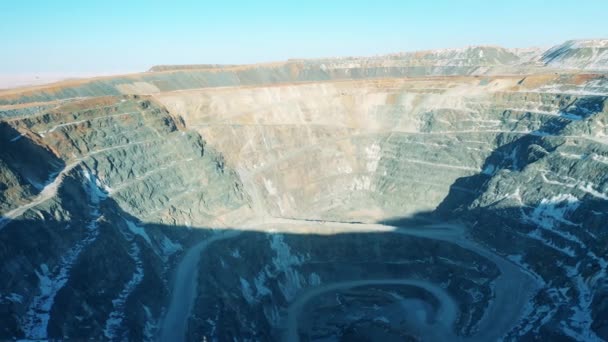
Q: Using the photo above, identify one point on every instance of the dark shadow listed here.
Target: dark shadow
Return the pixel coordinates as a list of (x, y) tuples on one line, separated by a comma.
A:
[(29, 165), (86, 294), (100, 272), (416, 219)]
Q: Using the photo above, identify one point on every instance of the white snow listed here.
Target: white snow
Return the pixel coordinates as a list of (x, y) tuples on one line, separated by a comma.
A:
[(589, 43), (568, 182), (94, 188), (314, 279), (599, 158), (588, 188), (12, 297), (150, 327), (489, 170), (260, 285), (382, 319), (537, 234), (66, 124), (516, 196), (538, 111), (551, 214), (51, 281), (535, 317), (246, 291), (572, 155), (579, 325), (372, 154), (114, 322), (553, 211), (589, 89), (343, 167), (46, 193), (17, 138), (272, 191), (519, 260), (137, 230), (169, 247), (213, 325), (282, 264), (236, 253), (361, 183)]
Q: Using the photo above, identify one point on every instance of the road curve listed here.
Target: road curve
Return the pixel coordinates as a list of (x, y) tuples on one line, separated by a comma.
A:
[(513, 287), (183, 289), (49, 191), (446, 316)]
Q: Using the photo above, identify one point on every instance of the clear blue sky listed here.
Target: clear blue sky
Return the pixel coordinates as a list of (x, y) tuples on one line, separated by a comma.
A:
[(124, 35)]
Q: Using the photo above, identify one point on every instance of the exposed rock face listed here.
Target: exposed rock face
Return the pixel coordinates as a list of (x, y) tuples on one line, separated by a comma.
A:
[(579, 54), (287, 181)]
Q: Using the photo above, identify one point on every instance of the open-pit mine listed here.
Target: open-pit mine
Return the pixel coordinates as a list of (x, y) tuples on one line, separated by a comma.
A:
[(444, 195)]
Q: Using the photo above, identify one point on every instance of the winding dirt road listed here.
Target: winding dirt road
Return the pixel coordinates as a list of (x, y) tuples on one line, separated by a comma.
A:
[(446, 316), (50, 190), (183, 289), (513, 287)]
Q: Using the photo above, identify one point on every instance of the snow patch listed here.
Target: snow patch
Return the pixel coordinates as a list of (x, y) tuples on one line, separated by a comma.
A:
[(137, 230), (37, 317), (281, 269), (537, 234), (12, 297), (270, 187), (114, 322), (246, 291), (372, 153), (569, 182), (519, 261), (344, 167), (382, 319), (260, 285), (17, 138), (314, 279), (361, 183), (283, 262), (579, 325), (550, 215), (553, 211), (489, 170), (169, 247), (599, 158), (236, 253), (151, 326), (94, 188), (535, 317)]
